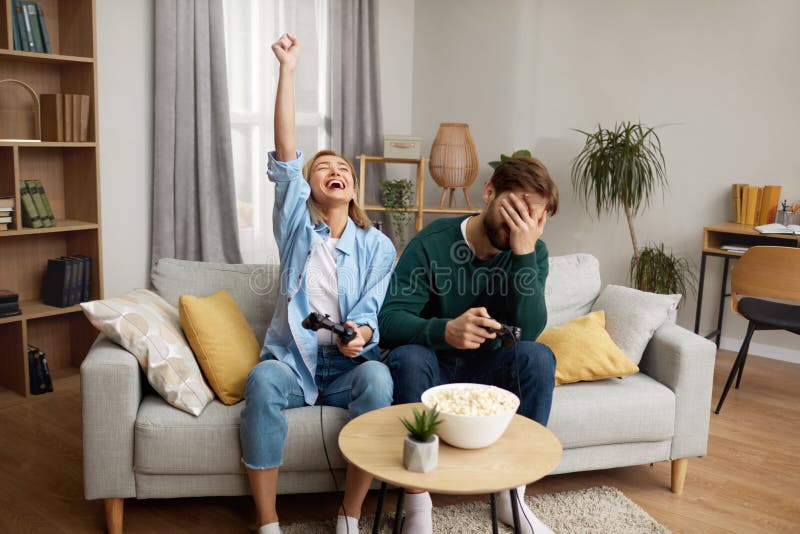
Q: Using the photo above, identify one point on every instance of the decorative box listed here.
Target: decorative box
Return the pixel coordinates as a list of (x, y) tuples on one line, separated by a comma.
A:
[(401, 146)]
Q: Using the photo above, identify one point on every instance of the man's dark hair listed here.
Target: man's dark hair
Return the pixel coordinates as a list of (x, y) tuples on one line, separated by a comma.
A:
[(527, 174)]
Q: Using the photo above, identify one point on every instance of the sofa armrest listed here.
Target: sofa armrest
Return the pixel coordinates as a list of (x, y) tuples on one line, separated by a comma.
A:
[(684, 362), (111, 391)]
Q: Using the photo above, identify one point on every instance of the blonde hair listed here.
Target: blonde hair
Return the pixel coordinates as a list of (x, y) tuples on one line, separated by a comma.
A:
[(353, 210)]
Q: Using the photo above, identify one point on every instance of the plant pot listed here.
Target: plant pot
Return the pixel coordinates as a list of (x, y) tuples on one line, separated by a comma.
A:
[(421, 456)]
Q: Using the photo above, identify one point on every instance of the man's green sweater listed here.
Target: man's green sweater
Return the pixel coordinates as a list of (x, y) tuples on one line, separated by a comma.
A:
[(438, 278)]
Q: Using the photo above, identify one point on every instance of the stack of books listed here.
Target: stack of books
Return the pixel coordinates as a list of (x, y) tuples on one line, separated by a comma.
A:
[(755, 205), (65, 117), (36, 209), (68, 281), (9, 303), (29, 27), (6, 212)]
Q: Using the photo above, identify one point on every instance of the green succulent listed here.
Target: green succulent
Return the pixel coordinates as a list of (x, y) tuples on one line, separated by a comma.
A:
[(424, 425), (514, 154)]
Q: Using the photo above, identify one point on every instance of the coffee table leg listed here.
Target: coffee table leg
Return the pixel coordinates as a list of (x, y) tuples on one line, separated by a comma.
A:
[(493, 503), (398, 515), (515, 508), (376, 524)]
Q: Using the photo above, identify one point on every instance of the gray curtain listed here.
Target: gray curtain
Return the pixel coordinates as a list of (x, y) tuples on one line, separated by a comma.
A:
[(356, 112), (194, 195)]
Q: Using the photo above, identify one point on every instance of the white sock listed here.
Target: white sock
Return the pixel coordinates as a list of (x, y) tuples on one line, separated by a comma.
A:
[(526, 517), (270, 528), (418, 507), (346, 525)]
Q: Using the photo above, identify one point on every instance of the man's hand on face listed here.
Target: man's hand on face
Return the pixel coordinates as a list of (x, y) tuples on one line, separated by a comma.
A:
[(468, 330), (525, 220)]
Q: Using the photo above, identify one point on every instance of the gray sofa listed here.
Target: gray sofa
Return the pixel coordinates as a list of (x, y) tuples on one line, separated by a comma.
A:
[(136, 445)]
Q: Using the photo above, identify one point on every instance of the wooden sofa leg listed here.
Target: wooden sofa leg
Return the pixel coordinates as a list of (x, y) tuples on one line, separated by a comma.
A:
[(679, 474), (114, 508)]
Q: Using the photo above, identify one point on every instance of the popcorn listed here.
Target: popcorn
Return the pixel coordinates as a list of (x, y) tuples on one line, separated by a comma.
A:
[(472, 400)]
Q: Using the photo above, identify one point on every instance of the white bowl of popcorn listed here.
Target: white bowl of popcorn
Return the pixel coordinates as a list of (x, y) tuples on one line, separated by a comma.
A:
[(473, 415)]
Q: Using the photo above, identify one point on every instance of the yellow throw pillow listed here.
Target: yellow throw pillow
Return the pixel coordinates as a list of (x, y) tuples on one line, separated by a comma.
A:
[(585, 352), (222, 341)]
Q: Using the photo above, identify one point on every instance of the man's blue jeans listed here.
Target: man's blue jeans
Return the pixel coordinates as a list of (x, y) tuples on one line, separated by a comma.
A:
[(272, 388), (416, 368)]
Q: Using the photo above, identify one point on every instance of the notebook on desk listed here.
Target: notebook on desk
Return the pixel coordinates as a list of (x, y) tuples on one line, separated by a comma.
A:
[(776, 228)]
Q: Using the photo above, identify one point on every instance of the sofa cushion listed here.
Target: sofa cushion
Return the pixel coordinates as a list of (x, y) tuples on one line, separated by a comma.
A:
[(573, 284), (633, 316), (169, 441), (633, 409), (222, 341), (145, 325), (584, 351), (253, 287)]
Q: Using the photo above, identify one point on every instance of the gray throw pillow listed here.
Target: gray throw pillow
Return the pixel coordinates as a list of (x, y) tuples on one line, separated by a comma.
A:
[(632, 316)]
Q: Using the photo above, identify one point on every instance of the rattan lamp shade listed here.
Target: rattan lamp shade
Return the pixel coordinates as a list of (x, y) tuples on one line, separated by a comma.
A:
[(454, 159)]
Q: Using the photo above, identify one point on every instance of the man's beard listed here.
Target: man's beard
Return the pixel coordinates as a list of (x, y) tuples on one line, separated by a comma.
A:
[(496, 230)]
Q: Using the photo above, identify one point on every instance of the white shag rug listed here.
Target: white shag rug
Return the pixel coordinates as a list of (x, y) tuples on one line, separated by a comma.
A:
[(597, 509)]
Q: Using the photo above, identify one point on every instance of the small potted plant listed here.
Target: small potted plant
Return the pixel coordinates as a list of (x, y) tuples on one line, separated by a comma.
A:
[(421, 446), (398, 200)]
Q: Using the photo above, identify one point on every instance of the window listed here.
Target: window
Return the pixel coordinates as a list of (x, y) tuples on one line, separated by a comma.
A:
[(251, 26)]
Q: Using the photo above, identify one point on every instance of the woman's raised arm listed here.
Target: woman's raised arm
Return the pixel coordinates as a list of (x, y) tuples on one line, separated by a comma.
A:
[(287, 50)]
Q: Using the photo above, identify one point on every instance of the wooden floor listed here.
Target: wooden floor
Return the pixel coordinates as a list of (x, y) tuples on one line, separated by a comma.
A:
[(749, 482)]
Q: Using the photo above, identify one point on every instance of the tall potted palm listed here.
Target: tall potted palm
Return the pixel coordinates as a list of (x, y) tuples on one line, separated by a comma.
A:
[(622, 169)]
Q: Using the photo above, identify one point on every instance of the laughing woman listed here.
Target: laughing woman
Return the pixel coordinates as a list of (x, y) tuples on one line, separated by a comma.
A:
[(332, 262)]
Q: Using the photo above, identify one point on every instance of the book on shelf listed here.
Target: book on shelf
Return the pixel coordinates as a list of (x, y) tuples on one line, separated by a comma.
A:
[(48, 209), (40, 380), (37, 194), (7, 202), (6, 296), (4, 227), (775, 228), (56, 283), (86, 288), (15, 31), (30, 217), (68, 119), (52, 115), (76, 280), (84, 118), (6, 219), (43, 27), (33, 19), (76, 117)]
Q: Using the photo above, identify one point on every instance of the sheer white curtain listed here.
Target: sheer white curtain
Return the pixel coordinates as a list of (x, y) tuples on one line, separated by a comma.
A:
[(251, 26)]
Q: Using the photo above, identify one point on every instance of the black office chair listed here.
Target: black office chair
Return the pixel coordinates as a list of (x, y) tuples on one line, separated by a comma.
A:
[(764, 273)]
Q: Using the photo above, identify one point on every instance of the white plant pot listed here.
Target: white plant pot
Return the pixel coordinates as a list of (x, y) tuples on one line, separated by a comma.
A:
[(421, 456)]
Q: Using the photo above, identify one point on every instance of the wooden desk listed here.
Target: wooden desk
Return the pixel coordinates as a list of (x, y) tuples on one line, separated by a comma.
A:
[(714, 237)]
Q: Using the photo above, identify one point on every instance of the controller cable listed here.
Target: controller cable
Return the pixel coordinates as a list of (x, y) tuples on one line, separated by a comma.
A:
[(325, 375)]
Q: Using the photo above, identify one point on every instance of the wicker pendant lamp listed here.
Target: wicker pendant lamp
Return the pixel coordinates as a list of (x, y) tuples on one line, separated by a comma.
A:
[(454, 160)]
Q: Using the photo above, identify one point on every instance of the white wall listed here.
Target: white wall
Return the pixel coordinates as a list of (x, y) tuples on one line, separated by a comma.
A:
[(722, 74), (125, 87)]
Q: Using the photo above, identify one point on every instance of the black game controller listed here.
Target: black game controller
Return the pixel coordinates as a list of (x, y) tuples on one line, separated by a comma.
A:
[(508, 334), (316, 320)]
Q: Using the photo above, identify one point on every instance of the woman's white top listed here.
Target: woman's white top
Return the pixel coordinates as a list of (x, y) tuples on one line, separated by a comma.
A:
[(322, 286)]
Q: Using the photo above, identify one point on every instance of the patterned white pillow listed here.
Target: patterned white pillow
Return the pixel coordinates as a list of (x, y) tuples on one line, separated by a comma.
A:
[(633, 316), (149, 328)]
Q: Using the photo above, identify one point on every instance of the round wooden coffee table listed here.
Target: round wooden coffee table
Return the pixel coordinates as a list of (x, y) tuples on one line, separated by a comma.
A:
[(526, 452)]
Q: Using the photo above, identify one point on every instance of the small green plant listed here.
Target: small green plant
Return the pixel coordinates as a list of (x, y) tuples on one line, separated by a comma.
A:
[(397, 199), (660, 271), (424, 425), (514, 154)]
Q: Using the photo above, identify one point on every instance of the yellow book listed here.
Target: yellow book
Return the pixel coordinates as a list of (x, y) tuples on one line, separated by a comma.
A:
[(769, 204), (736, 194), (759, 196), (749, 210)]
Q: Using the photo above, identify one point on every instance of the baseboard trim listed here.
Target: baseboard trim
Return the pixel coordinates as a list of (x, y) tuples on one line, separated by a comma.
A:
[(760, 349)]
